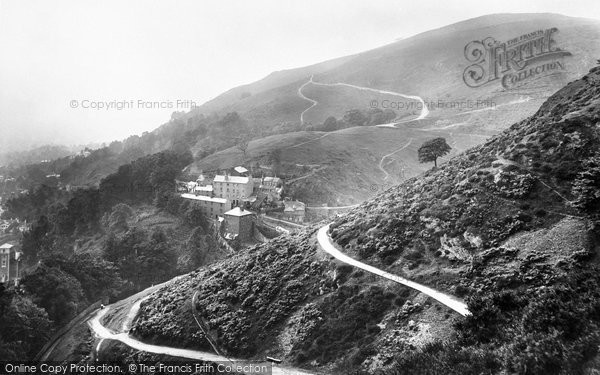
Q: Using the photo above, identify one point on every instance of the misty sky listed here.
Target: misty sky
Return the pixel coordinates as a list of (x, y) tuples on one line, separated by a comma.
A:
[(53, 52)]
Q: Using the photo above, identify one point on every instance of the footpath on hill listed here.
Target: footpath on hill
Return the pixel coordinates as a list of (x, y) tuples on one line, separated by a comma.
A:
[(328, 246)]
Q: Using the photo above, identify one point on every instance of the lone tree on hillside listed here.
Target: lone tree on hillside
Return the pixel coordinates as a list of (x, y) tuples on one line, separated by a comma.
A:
[(431, 150)]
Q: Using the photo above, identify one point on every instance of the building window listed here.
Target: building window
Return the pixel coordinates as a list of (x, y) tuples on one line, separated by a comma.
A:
[(3, 262)]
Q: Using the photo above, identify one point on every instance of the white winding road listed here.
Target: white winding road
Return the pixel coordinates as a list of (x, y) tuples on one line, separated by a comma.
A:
[(104, 333), (328, 246), (424, 110), (300, 94)]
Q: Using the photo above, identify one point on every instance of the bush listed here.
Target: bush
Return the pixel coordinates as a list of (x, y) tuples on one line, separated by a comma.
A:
[(586, 188), (350, 316)]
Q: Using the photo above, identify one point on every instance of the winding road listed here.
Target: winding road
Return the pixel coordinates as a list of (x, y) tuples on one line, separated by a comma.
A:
[(300, 94), (424, 110), (328, 246), (325, 242), (103, 333)]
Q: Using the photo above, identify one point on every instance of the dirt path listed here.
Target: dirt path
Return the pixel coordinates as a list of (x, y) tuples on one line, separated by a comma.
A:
[(387, 175), (103, 333), (332, 207), (309, 141), (300, 94), (312, 173), (424, 110), (328, 246)]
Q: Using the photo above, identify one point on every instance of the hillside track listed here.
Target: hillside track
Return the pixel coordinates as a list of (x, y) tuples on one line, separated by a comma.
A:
[(102, 334), (327, 244), (424, 110), (387, 175)]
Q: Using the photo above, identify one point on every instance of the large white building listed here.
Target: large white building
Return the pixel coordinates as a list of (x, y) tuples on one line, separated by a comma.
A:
[(233, 188), (225, 193)]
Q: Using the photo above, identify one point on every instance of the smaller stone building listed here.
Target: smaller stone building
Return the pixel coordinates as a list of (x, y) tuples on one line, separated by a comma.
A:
[(294, 211), (240, 222)]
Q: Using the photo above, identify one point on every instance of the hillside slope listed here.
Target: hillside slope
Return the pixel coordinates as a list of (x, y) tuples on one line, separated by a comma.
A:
[(430, 65), (502, 224), (519, 180), (341, 167), (513, 225)]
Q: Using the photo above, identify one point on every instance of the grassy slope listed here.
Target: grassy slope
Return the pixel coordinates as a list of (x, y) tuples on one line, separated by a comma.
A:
[(347, 160), (336, 100), (519, 180)]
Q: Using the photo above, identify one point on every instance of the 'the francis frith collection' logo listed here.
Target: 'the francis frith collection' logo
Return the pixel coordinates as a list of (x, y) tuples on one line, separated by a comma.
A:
[(515, 61)]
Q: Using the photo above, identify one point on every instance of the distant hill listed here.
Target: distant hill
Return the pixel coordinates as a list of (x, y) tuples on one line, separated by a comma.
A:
[(33, 156), (429, 65)]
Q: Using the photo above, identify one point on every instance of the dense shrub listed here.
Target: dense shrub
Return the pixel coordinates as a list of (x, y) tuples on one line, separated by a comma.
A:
[(241, 300), (586, 187), (350, 315)]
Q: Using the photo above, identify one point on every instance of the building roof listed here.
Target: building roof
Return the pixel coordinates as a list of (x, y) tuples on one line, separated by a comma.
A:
[(272, 179), (232, 179), (238, 212), (204, 188), (203, 198), (294, 206), (7, 246), (240, 169)]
